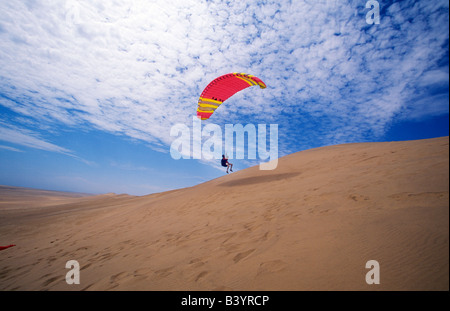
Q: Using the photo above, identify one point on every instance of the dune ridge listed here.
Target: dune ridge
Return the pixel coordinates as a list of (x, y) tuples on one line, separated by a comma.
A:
[(311, 224)]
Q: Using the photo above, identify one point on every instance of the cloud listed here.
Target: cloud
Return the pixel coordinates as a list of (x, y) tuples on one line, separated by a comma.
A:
[(30, 139), (10, 148), (136, 68)]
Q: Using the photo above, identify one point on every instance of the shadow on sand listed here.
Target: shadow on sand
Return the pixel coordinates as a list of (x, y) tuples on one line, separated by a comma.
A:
[(258, 179)]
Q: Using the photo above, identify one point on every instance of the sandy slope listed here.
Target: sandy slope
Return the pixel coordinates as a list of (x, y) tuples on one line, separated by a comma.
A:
[(311, 224)]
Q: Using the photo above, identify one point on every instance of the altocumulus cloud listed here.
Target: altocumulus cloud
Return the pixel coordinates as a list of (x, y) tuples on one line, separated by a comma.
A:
[(136, 68)]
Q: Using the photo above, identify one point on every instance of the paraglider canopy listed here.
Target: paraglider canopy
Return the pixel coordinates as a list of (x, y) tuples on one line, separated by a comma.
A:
[(222, 88)]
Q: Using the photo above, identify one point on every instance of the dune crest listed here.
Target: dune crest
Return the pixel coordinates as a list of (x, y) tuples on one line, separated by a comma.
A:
[(311, 224)]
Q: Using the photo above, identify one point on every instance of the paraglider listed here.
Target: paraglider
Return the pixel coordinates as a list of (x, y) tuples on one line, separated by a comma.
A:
[(222, 88)]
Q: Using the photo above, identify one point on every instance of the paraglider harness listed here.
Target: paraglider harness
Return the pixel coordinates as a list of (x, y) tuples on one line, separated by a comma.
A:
[(224, 162)]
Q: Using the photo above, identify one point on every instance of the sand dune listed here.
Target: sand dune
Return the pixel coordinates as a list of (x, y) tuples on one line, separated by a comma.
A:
[(311, 224)]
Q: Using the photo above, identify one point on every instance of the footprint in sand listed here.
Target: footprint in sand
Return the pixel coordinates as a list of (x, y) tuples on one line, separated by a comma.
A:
[(202, 274), (51, 280), (115, 279), (164, 272), (271, 266), (242, 255), (196, 263)]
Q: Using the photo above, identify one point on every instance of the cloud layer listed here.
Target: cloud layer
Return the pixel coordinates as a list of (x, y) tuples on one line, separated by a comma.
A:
[(136, 68)]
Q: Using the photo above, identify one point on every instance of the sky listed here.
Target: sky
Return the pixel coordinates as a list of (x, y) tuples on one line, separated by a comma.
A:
[(90, 90)]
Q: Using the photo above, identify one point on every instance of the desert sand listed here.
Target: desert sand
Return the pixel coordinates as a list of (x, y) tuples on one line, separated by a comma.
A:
[(311, 224)]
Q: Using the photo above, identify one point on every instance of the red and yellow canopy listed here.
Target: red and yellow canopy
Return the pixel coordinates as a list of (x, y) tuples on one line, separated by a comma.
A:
[(222, 88)]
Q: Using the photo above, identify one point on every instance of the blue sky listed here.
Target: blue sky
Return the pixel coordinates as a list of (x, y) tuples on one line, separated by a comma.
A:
[(89, 90)]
